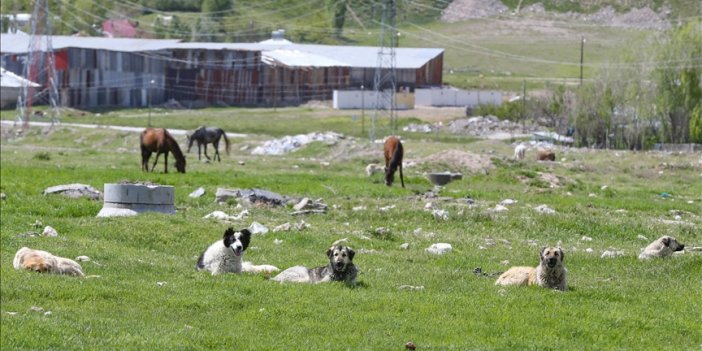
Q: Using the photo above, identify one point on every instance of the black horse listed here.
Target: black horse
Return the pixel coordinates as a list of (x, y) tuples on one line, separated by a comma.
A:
[(206, 136)]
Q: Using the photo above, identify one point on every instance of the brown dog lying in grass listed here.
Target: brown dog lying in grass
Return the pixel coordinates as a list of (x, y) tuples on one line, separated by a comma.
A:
[(550, 272)]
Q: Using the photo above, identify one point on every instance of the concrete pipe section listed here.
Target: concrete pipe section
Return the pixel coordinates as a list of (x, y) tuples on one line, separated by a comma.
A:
[(132, 199)]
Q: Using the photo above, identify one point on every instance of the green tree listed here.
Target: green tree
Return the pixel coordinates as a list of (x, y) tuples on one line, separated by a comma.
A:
[(678, 79), (338, 16), (216, 8)]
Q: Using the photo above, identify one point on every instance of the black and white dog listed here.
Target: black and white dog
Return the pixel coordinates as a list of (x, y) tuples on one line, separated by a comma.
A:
[(225, 255), (340, 268)]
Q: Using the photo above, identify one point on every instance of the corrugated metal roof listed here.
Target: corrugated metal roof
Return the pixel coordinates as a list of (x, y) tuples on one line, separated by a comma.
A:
[(18, 43), (9, 79), (323, 55), (279, 52)]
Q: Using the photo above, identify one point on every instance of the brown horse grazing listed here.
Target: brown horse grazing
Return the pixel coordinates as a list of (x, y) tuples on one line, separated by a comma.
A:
[(393, 160), (160, 141)]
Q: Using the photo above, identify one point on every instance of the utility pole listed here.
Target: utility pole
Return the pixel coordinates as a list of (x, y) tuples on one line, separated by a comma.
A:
[(385, 80), (582, 49)]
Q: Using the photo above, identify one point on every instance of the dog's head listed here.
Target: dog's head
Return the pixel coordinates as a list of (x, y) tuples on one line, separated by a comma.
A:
[(36, 264), (237, 241), (672, 243), (552, 257), (340, 257)]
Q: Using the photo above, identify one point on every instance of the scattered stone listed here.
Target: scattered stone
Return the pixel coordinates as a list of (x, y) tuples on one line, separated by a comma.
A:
[(47, 313), (302, 225), (641, 237), (410, 345), (411, 287), (297, 213), (382, 231), (544, 209), (440, 215), (417, 231), (82, 258), (219, 215), (586, 238), (591, 195), (36, 309), (506, 202), (197, 193), (241, 163), (604, 187), (439, 248), (11, 313), (258, 228), (504, 263), (253, 196), (302, 204), (500, 208), (589, 250), (161, 283), (405, 246), (621, 210), (490, 242), (359, 208), (386, 208), (612, 253), (282, 228), (277, 241), (74, 191), (49, 231), (3, 196)]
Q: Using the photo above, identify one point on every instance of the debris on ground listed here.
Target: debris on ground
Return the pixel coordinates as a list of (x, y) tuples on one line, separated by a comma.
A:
[(544, 209), (291, 143), (220, 215), (612, 253), (251, 196), (74, 191)]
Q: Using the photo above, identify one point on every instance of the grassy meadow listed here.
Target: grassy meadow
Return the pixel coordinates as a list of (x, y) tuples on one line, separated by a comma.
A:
[(145, 293)]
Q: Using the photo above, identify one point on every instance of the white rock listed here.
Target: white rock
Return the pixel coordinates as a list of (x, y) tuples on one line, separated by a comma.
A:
[(508, 202), (258, 228), (411, 287), (677, 217), (387, 208), (359, 208), (504, 263), (500, 208), (589, 250), (219, 215), (404, 246), (82, 258), (49, 231), (197, 193), (641, 237), (591, 195), (439, 248), (544, 209), (282, 228), (161, 283), (612, 253), (277, 241), (586, 238), (440, 214)]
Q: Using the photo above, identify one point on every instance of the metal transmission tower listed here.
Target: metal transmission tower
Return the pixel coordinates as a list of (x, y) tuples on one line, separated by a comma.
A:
[(40, 66), (385, 81)]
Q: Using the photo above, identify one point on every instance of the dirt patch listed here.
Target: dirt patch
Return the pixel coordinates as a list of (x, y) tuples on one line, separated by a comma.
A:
[(456, 160)]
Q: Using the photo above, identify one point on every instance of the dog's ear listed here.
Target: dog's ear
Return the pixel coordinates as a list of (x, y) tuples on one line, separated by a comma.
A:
[(245, 238), (562, 254), (228, 235), (351, 253), (666, 241), (541, 253), (330, 251)]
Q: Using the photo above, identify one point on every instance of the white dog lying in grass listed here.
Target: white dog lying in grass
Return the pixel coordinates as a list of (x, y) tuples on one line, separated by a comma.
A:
[(225, 255), (45, 262), (664, 246)]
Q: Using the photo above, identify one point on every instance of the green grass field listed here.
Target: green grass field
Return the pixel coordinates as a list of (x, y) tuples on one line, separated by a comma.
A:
[(149, 296)]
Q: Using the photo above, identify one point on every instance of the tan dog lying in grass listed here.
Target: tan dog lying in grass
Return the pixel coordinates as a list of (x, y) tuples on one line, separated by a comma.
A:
[(44, 262), (664, 246), (550, 272)]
